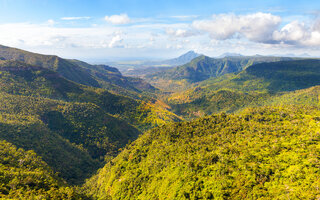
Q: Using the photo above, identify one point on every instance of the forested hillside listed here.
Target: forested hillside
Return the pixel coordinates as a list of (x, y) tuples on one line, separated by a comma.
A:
[(263, 153), (55, 63), (204, 67), (58, 128), (257, 85), (73, 138), (159, 100), (101, 76), (73, 127), (25, 176), (27, 80)]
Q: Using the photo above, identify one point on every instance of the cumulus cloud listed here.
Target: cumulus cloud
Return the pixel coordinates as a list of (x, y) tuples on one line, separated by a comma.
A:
[(298, 33), (75, 18), (261, 28), (258, 27), (292, 33), (118, 19), (116, 42), (180, 32), (259, 32)]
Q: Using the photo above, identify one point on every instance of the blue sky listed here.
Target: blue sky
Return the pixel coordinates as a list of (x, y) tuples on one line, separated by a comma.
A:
[(130, 29)]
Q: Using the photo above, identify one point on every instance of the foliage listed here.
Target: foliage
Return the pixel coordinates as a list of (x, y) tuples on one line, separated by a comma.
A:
[(262, 153), (23, 175), (93, 132), (258, 85), (27, 80), (203, 68), (63, 67)]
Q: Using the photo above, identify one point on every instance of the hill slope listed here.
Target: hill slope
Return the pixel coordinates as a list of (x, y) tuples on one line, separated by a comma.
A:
[(80, 72), (111, 78), (202, 68), (257, 85), (22, 79), (25, 176), (73, 138), (265, 153), (66, 69)]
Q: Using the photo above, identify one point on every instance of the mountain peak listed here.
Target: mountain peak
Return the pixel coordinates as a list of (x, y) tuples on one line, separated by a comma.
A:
[(190, 54)]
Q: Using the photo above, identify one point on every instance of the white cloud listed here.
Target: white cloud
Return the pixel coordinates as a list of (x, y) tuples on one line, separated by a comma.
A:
[(180, 32), (254, 33), (257, 27), (298, 33), (118, 19), (116, 41), (292, 33), (75, 18)]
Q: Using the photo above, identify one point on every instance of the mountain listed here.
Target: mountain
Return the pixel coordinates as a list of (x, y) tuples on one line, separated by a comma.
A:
[(183, 59), (151, 67), (23, 79), (73, 127), (257, 85), (273, 77), (63, 67), (142, 72), (57, 130), (112, 79), (203, 67), (262, 153), (80, 72)]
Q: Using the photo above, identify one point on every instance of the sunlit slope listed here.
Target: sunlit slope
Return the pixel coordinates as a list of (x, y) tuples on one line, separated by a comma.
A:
[(27, 80), (25, 176), (257, 85), (264, 153), (203, 68)]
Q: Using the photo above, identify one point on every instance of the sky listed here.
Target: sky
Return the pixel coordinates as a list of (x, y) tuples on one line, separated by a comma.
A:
[(147, 29)]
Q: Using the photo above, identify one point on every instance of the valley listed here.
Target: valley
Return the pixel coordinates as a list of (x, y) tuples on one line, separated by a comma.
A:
[(237, 127)]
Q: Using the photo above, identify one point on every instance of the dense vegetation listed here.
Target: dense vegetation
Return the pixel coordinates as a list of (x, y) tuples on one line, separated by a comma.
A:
[(257, 85), (61, 120), (27, 80), (27, 124), (110, 78), (25, 176), (73, 127), (265, 153), (203, 68), (55, 63), (101, 76)]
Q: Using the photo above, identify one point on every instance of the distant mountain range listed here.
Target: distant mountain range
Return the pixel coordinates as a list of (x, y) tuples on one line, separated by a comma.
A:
[(260, 84), (150, 67), (183, 59), (303, 55), (204, 67)]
